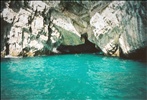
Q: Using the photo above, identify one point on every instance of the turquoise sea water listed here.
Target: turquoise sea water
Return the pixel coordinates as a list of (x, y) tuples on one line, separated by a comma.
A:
[(73, 77)]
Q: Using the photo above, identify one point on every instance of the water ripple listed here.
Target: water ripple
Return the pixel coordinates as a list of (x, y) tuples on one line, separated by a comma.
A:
[(73, 77)]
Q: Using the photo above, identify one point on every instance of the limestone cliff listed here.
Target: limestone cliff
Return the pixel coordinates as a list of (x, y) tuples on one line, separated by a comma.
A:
[(30, 28)]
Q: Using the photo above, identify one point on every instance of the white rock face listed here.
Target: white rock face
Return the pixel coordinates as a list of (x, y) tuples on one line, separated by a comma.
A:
[(114, 26), (64, 22), (36, 44), (15, 39), (39, 27), (8, 15), (38, 5), (24, 31), (21, 19), (99, 24), (103, 25)]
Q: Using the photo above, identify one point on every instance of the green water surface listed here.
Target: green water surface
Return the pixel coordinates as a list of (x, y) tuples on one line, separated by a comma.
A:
[(73, 77)]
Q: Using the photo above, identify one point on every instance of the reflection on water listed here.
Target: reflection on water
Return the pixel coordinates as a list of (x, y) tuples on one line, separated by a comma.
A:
[(70, 77)]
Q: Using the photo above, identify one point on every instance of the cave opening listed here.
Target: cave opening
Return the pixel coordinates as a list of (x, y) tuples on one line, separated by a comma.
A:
[(87, 47)]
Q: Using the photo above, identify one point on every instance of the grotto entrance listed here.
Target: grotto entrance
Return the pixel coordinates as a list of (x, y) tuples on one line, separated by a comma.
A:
[(87, 47)]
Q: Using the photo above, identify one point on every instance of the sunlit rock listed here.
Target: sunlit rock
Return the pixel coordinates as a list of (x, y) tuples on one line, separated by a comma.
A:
[(122, 25), (8, 15), (38, 5), (22, 18), (37, 24)]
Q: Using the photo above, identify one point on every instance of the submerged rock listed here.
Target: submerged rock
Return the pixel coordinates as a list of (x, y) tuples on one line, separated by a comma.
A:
[(32, 28)]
